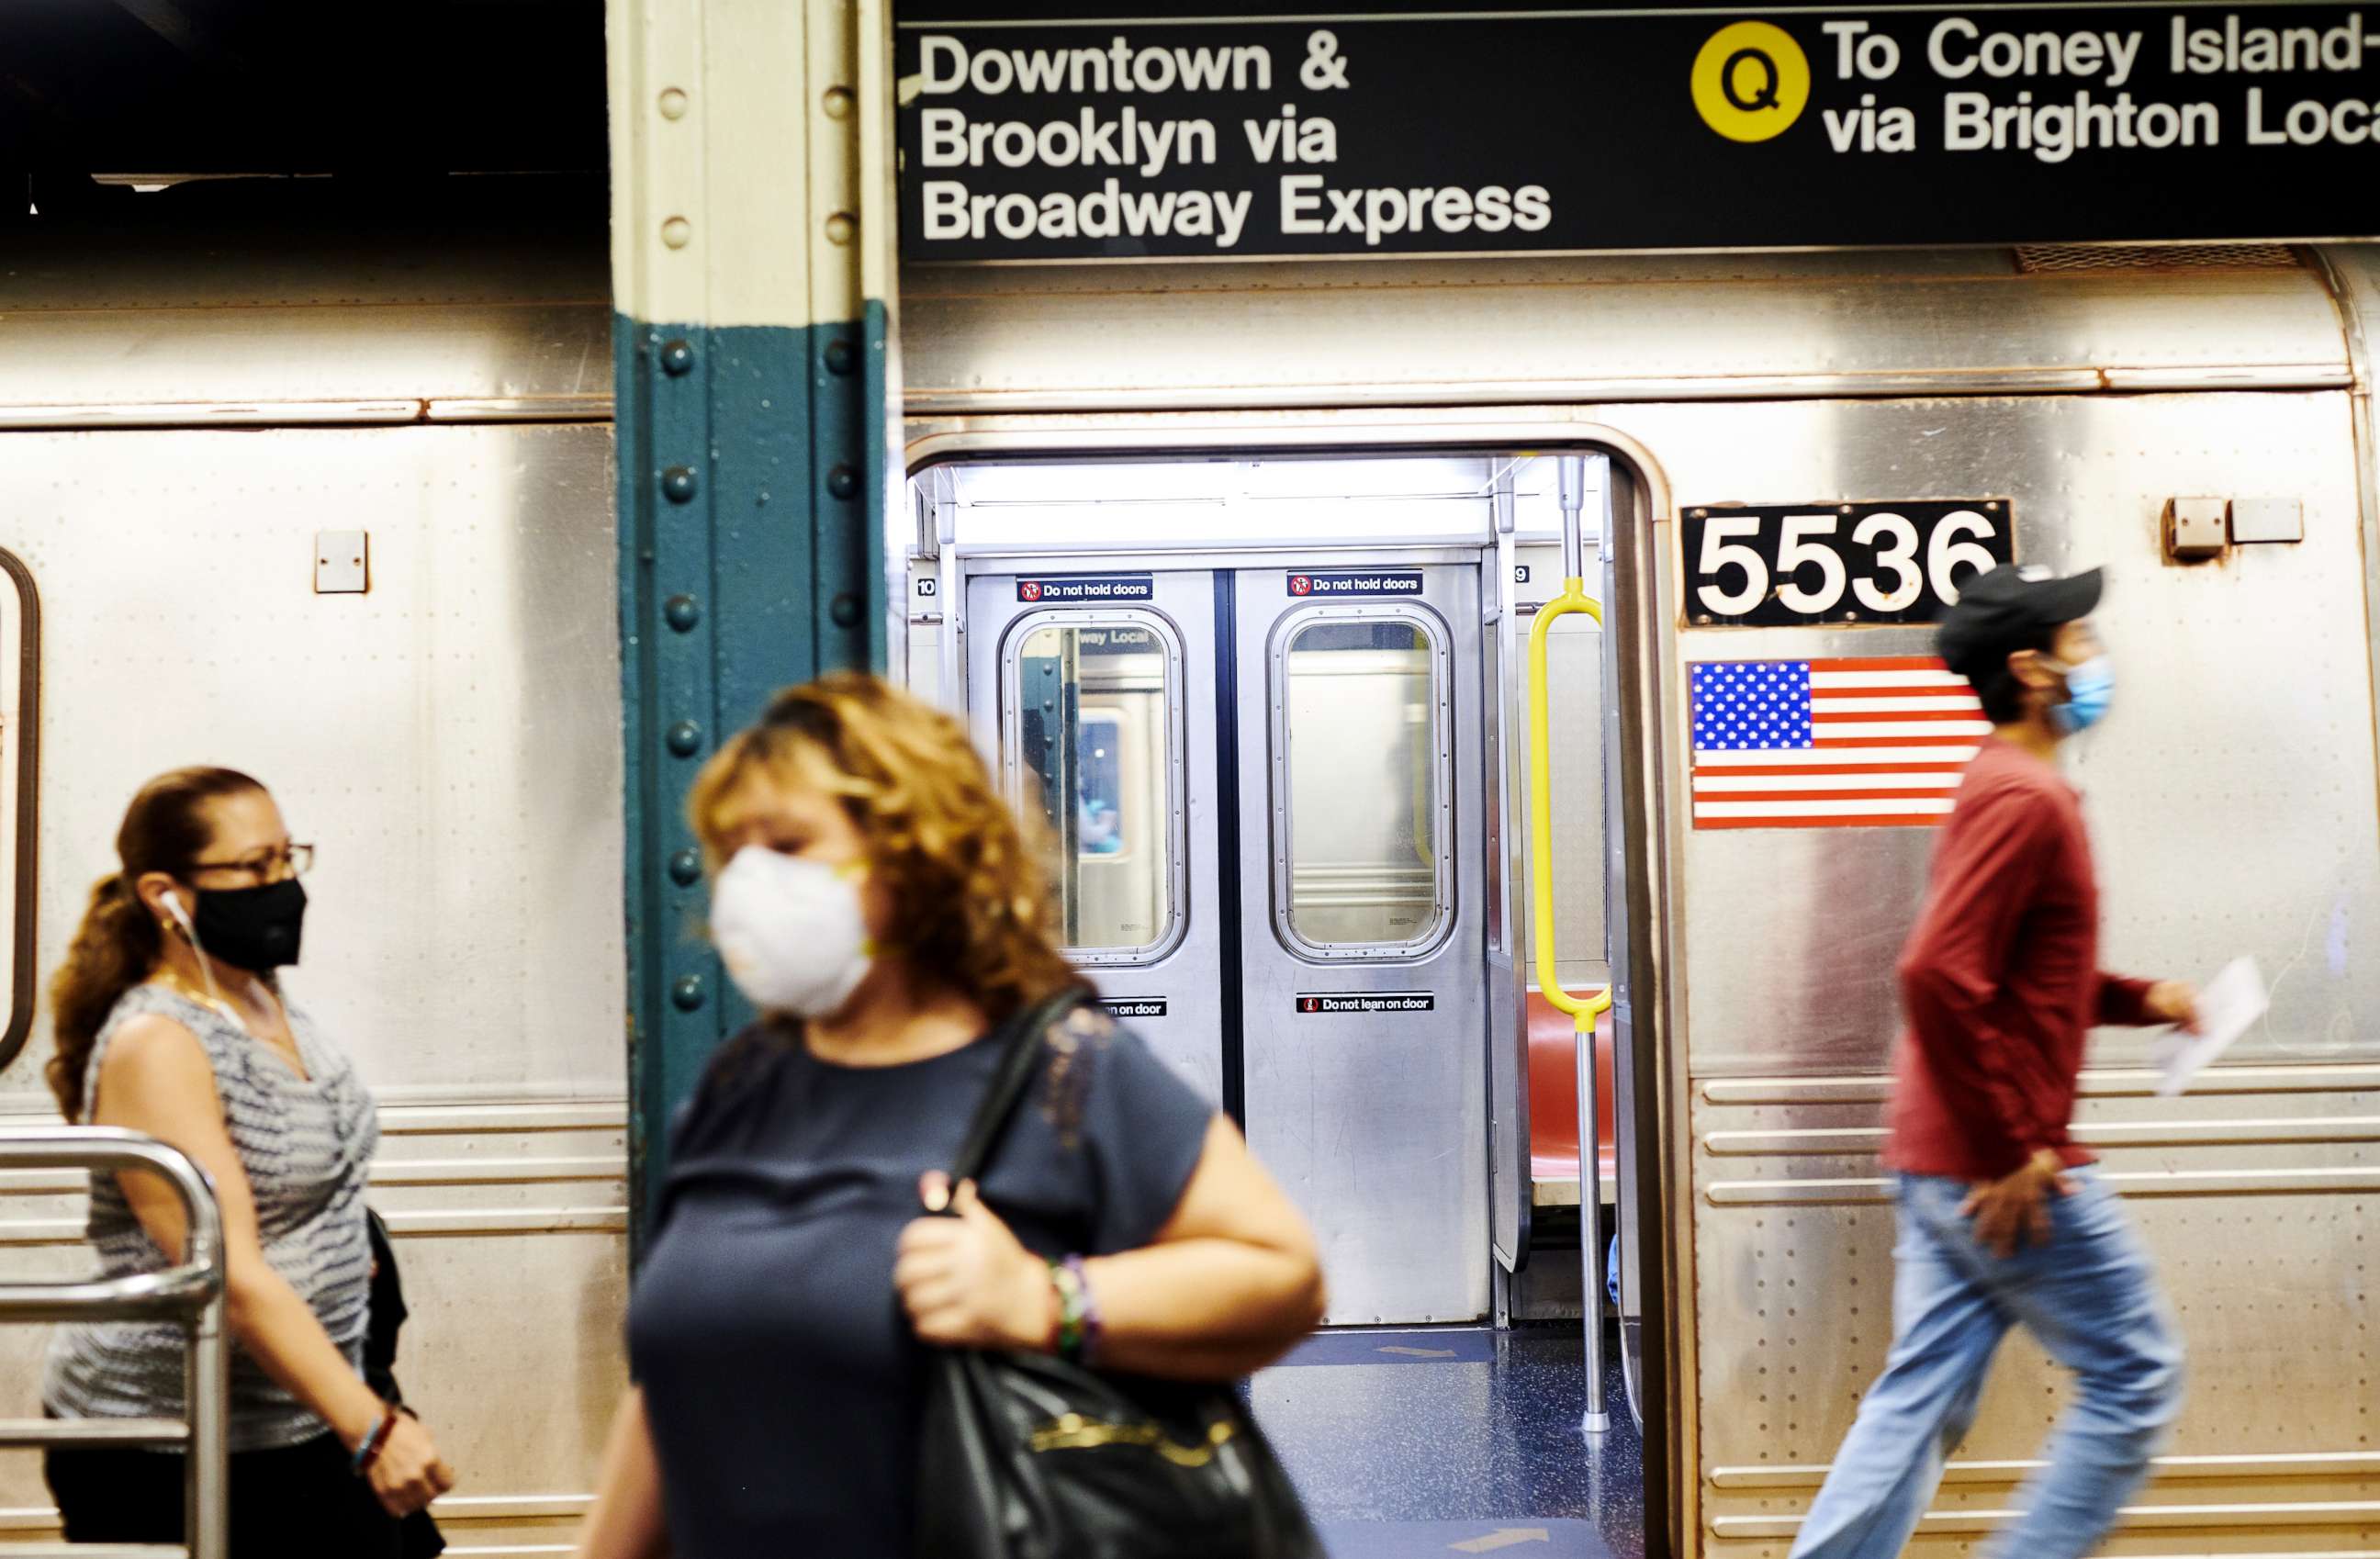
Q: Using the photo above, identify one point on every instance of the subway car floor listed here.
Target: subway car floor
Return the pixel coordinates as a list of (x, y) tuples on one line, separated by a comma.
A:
[(1444, 1441)]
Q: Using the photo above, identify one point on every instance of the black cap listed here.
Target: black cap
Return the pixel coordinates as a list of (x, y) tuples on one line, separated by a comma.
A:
[(2008, 608)]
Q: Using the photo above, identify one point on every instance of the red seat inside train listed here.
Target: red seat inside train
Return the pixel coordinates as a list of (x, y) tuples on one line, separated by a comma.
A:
[(1553, 1094)]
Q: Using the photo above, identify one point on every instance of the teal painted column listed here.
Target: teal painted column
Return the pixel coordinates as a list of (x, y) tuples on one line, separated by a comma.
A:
[(754, 457)]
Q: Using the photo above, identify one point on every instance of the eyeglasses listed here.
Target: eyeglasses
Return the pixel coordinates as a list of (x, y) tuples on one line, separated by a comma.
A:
[(274, 863)]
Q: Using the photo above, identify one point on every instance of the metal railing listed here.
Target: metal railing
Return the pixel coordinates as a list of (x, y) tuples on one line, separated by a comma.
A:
[(191, 1293)]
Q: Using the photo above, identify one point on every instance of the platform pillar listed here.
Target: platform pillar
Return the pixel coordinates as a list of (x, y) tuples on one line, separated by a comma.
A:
[(757, 393)]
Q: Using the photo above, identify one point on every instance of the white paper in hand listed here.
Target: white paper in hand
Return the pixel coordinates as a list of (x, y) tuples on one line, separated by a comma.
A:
[(2228, 1004)]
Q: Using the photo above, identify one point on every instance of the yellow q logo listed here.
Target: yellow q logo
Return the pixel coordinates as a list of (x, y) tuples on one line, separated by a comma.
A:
[(1751, 81)]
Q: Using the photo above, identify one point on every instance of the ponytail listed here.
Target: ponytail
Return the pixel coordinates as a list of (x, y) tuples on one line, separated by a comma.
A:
[(166, 828), (114, 949)]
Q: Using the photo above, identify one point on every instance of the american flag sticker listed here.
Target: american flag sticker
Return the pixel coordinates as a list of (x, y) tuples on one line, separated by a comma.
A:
[(1874, 743)]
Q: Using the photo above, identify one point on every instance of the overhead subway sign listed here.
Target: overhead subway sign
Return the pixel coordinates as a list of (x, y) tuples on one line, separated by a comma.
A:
[(1151, 190), (1216, 136)]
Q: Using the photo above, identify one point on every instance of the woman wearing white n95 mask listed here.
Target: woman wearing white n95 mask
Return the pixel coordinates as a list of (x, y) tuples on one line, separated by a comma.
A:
[(877, 901), (791, 931)]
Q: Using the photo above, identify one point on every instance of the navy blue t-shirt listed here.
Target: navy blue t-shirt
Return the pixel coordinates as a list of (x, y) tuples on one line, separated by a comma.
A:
[(781, 1381)]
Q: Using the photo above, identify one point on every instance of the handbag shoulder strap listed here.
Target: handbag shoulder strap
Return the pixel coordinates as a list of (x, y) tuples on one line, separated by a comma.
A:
[(1009, 1083)]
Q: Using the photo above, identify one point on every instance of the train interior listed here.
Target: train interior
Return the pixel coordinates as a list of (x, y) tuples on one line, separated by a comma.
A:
[(1270, 717)]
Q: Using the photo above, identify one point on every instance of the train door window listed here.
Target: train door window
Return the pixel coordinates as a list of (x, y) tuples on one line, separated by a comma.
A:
[(1362, 783), (1093, 746)]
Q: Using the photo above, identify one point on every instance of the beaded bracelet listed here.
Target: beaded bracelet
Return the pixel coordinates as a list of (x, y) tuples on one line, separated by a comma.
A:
[(1076, 1315), (1070, 1313), (1090, 1322)]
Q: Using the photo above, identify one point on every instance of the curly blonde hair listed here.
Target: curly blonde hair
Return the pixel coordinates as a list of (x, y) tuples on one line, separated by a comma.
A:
[(971, 903)]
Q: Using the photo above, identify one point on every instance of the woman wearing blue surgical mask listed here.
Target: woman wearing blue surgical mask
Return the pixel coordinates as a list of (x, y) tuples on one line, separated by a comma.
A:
[(171, 1021), (877, 901)]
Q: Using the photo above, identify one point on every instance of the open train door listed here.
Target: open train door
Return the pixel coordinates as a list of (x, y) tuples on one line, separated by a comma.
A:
[(1654, 1200)]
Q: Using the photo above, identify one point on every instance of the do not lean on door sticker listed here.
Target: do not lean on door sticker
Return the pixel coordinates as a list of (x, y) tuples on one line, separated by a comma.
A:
[(1855, 743)]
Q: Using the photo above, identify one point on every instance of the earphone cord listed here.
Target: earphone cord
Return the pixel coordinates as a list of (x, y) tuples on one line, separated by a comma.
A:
[(206, 965)]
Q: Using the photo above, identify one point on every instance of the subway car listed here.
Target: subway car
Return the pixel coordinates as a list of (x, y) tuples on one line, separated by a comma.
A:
[(1238, 592)]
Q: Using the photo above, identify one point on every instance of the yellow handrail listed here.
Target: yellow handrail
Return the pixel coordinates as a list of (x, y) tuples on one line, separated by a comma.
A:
[(1573, 598)]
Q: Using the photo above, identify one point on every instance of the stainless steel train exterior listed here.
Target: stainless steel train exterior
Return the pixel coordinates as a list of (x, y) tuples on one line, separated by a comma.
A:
[(177, 429), (2234, 803)]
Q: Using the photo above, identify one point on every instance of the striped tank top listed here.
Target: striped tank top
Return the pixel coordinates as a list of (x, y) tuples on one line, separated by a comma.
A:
[(306, 1144)]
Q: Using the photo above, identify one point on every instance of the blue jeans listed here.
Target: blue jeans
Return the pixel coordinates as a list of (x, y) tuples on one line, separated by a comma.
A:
[(2088, 1295)]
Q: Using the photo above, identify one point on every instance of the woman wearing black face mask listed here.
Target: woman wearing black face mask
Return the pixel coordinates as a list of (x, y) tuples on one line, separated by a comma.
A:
[(170, 1021)]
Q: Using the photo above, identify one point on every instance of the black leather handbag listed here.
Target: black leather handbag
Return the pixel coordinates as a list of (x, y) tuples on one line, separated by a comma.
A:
[(1029, 1456)]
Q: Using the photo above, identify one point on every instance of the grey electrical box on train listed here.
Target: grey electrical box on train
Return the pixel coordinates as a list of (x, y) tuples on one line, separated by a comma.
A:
[(2266, 519), (2204, 527), (339, 563), (2196, 527)]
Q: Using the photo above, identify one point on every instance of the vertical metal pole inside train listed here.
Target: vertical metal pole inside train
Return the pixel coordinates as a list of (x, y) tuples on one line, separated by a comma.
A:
[(1572, 489), (755, 387)]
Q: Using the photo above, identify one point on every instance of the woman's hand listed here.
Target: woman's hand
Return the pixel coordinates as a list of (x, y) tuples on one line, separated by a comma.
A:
[(409, 1473), (966, 1281)]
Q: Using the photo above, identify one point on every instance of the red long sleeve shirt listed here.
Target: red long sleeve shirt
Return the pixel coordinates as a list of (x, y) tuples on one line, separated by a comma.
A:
[(2000, 979)]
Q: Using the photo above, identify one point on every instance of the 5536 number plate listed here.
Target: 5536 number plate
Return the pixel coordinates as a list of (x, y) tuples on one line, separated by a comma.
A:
[(1781, 565)]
